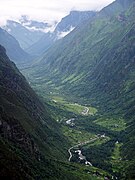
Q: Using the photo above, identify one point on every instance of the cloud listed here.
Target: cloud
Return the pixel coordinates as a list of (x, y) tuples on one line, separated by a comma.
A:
[(63, 34), (46, 10)]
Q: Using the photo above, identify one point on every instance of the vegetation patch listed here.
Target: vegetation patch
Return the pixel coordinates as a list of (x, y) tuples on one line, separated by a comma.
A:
[(74, 107), (76, 136), (114, 124), (118, 164)]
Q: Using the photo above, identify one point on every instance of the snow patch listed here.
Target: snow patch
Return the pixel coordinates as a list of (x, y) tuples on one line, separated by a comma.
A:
[(64, 33), (8, 30)]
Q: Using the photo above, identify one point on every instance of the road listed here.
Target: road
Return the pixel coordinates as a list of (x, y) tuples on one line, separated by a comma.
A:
[(80, 144)]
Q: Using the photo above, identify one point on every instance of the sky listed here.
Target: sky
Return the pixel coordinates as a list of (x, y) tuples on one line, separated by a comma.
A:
[(46, 10)]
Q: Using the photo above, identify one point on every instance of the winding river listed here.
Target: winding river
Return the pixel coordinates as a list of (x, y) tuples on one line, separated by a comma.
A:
[(81, 157)]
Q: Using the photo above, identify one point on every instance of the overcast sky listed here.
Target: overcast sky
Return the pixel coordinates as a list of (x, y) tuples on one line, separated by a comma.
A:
[(46, 10)]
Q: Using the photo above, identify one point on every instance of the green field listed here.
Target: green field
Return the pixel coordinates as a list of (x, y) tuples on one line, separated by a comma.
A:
[(114, 124), (73, 107), (76, 136), (116, 160)]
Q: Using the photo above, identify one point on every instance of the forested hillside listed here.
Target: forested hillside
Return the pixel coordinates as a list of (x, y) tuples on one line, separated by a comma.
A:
[(31, 143)]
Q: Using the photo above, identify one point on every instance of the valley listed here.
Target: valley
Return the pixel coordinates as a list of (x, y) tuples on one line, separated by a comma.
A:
[(67, 94), (93, 135)]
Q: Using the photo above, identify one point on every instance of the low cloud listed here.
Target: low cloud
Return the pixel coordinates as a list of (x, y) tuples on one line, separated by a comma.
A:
[(45, 10), (63, 34)]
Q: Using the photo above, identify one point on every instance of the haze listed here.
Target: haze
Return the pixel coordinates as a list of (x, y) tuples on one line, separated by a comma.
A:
[(45, 10)]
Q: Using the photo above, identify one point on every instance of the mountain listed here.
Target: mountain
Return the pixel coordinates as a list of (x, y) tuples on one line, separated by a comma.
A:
[(32, 145), (24, 123), (96, 63), (32, 24), (26, 37), (80, 52), (14, 51), (42, 45), (73, 20), (64, 27)]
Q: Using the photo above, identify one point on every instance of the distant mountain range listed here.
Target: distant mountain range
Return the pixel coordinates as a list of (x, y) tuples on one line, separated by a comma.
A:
[(25, 36), (27, 39), (63, 28), (34, 37), (14, 51)]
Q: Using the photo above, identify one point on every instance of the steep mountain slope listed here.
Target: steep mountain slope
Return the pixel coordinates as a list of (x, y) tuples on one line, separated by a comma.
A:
[(97, 63), (14, 51), (24, 36), (31, 143), (77, 55), (66, 25), (42, 45), (24, 119), (73, 20)]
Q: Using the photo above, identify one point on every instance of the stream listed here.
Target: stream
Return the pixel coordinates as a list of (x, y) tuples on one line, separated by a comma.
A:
[(81, 156)]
